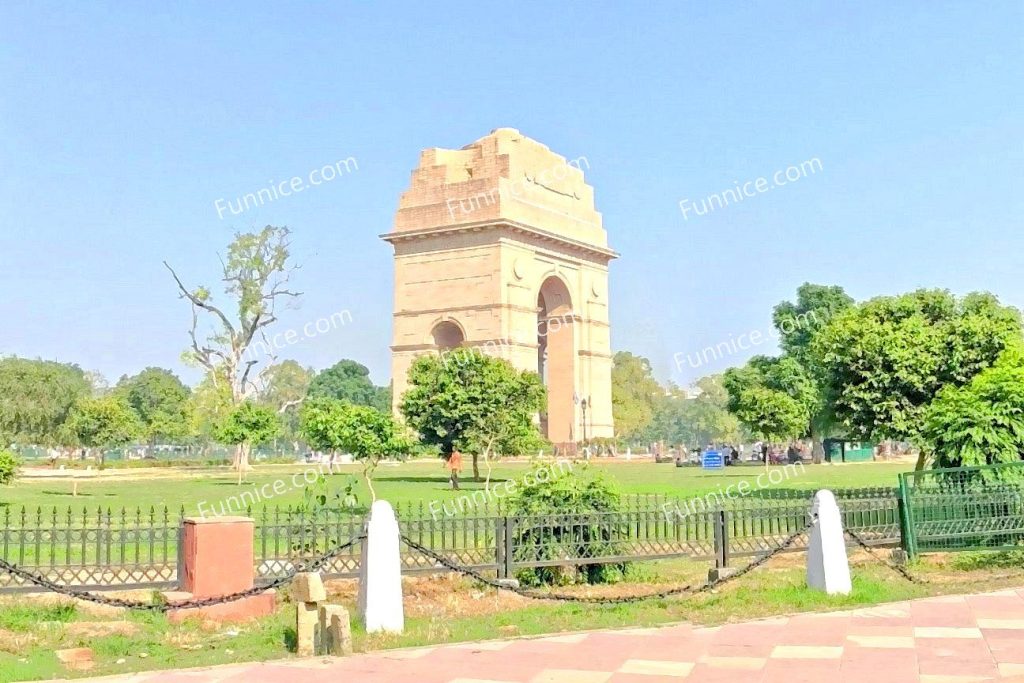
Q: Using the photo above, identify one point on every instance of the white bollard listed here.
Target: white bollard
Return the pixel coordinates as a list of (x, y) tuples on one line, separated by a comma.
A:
[(828, 568), (380, 573)]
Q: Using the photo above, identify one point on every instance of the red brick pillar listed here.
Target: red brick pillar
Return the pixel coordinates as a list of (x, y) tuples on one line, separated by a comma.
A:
[(216, 557)]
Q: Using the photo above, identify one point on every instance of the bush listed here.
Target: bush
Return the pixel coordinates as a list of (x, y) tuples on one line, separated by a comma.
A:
[(8, 467), (564, 515)]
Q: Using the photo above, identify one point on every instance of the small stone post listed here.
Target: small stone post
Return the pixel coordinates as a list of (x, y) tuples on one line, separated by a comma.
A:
[(828, 568), (336, 630), (380, 573), (308, 592)]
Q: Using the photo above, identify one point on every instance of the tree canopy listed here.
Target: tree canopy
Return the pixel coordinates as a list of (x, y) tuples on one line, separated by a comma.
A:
[(102, 423), (780, 398), (368, 434), (981, 422), (886, 359), (160, 400), (255, 272), (36, 397), (479, 405), (349, 381), (247, 424), (635, 392)]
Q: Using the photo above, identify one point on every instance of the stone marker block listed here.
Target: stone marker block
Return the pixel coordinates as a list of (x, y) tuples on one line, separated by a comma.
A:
[(828, 568), (720, 573), (218, 555), (216, 560), (337, 630), (307, 618), (308, 587), (380, 573)]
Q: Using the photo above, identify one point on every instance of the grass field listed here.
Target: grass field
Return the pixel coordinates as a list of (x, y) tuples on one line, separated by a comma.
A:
[(410, 482)]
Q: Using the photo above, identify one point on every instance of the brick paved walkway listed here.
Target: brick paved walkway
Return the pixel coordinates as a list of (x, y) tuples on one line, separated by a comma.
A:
[(956, 639)]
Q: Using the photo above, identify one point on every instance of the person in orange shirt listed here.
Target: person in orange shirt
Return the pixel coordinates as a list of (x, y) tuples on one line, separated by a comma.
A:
[(455, 466)]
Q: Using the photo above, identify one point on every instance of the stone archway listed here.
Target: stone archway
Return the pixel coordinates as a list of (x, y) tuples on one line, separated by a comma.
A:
[(496, 238), (556, 359)]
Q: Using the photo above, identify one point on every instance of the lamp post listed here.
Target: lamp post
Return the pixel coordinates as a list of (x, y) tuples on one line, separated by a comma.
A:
[(583, 405)]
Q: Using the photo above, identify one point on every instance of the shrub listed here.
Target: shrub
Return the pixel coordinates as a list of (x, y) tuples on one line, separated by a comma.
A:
[(8, 467), (565, 515)]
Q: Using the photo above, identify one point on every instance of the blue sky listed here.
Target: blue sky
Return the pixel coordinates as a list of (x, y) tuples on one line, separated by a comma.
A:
[(121, 124)]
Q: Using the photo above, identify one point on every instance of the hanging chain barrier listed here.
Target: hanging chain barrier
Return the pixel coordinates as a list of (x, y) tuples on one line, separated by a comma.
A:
[(43, 582), (476, 575), (898, 568), (601, 600)]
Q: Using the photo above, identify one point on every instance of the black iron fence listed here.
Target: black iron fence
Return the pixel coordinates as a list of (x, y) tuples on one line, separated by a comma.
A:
[(102, 548)]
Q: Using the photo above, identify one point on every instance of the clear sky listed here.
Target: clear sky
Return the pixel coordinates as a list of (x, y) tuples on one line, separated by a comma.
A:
[(122, 123)]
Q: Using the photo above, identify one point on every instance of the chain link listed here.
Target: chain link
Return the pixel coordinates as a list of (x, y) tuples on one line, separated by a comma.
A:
[(899, 569), (51, 585), (617, 600)]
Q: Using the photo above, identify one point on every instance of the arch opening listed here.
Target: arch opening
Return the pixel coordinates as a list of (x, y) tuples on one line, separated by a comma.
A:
[(556, 360), (447, 335)]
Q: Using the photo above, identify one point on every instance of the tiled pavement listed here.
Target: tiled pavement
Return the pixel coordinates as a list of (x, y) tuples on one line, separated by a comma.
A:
[(956, 639)]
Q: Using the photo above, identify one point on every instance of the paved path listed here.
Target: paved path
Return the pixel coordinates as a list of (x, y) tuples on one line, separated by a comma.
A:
[(955, 639)]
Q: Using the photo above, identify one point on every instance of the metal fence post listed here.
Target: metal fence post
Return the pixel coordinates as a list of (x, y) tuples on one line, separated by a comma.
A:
[(499, 547), (179, 570), (721, 541), (906, 519), (509, 532)]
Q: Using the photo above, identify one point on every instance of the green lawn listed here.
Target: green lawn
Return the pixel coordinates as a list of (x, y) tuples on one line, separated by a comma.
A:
[(415, 482)]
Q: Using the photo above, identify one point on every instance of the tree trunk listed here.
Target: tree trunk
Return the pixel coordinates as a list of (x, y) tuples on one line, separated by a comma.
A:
[(476, 467), (242, 460), (817, 449), (922, 460)]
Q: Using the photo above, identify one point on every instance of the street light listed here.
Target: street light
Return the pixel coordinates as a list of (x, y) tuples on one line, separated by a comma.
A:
[(583, 405)]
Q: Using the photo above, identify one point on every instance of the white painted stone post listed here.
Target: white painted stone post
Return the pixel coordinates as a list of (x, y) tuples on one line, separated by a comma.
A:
[(828, 568), (380, 573)]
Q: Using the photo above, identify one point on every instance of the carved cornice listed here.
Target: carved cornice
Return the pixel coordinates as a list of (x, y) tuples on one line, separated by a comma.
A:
[(603, 254)]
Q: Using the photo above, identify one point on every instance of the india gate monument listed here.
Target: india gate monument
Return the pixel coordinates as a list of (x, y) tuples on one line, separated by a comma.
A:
[(498, 248)]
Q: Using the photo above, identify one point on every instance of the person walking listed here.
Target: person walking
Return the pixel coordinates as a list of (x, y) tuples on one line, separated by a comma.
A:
[(455, 466)]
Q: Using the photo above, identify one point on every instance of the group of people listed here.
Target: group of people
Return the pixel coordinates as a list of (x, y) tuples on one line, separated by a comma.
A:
[(733, 454)]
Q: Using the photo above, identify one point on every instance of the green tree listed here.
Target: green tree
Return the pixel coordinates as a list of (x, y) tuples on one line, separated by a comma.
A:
[(981, 422), (247, 425), (782, 397), (634, 394), (286, 385), (480, 405), (799, 322), (774, 398), (161, 401), (255, 272), (349, 381), (8, 467), (680, 418), (36, 397), (329, 424), (102, 423), (210, 404), (886, 359)]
